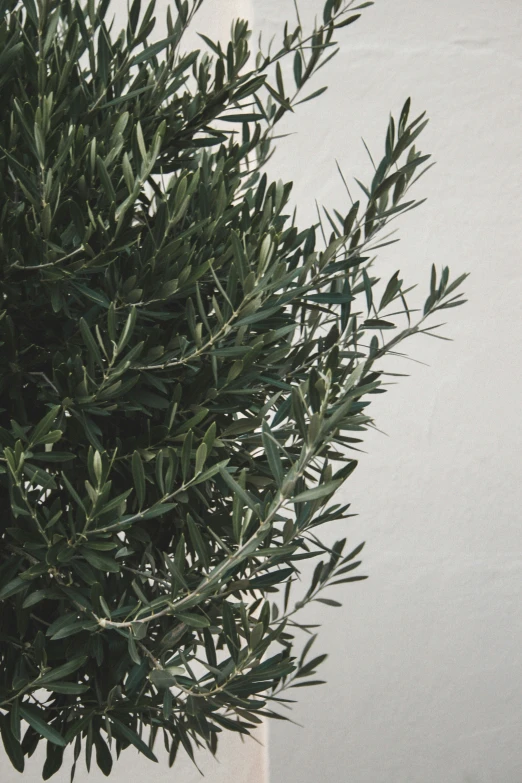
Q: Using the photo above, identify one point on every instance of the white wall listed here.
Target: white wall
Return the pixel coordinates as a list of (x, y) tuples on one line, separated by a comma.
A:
[(237, 761), (424, 679)]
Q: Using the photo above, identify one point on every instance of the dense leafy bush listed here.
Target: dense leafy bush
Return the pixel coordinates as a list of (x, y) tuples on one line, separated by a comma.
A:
[(184, 376)]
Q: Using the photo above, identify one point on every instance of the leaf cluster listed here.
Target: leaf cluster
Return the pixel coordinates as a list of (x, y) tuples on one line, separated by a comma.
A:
[(184, 376)]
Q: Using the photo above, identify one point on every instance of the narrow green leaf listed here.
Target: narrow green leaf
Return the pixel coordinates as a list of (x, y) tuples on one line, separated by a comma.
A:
[(193, 620), (39, 143), (138, 475), (209, 473), (310, 97), (391, 291), (103, 754), (101, 562), (162, 679), (12, 746), (377, 323), (272, 453), (90, 342), (201, 456), (106, 180), (128, 734), (346, 22), (35, 717), (155, 511), (44, 425), (62, 671), (68, 688), (315, 493), (133, 650), (155, 49), (237, 490), (186, 454), (13, 587)]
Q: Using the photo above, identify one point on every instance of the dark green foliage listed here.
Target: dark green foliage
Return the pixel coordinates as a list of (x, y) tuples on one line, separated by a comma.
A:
[(184, 376)]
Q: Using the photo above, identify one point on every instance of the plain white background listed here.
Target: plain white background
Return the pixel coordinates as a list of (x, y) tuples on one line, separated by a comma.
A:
[(424, 667)]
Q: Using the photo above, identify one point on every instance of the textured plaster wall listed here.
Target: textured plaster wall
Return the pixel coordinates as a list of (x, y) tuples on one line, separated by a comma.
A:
[(424, 672), (424, 668), (237, 762)]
